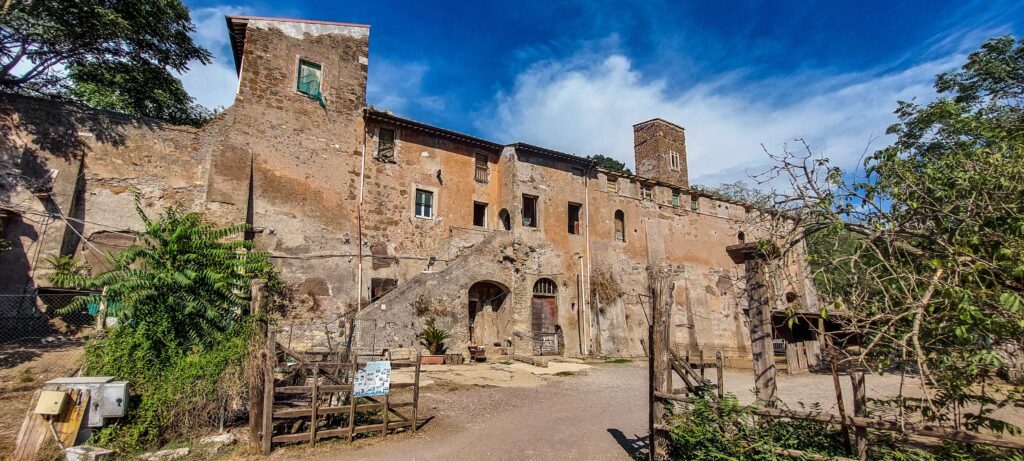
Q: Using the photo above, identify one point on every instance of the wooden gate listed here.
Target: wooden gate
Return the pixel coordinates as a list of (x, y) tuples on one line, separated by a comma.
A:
[(313, 399)]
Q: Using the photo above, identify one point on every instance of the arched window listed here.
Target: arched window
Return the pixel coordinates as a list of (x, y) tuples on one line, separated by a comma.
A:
[(741, 237), (545, 287), (620, 226), (505, 218)]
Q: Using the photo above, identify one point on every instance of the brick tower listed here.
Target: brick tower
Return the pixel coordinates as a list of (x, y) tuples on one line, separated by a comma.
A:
[(659, 147)]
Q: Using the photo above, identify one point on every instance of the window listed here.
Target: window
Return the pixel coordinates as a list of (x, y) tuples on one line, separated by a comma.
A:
[(673, 158), (481, 167), (545, 287), (479, 214), (620, 226), (646, 193), (613, 185), (741, 237), (505, 218), (308, 82), (574, 218), (424, 203), (380, 287), (529, 211), (385, 143), (675, 198), (693, 203)]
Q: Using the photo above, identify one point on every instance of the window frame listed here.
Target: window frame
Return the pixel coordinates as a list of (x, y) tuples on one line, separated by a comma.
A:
[(416, 204), (694, 203), (481, 167), (320, 81), (646, 193), (619, 226), (673, 160), (394, 144), (484, 218), (677, 198), (578, 228), (535, 222)]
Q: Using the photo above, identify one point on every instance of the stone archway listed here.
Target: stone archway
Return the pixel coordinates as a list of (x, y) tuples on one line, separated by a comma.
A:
[(544, 317), (487, 315)]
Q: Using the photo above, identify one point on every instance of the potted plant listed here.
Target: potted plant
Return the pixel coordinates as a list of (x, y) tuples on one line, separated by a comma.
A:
[(433, 339)]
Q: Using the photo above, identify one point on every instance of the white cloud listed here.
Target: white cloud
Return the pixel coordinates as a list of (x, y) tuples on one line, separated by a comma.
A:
[(398, 87), (213, 85), (588, 103)]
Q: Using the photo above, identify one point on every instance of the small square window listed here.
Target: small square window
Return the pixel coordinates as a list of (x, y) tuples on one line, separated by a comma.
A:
[(693, 203), (380, 287), (479, 214), (646, 193), (613, 185), (385, 143), (529, 211), (308, 82), (675, 198), (424, 203), (481, 168)]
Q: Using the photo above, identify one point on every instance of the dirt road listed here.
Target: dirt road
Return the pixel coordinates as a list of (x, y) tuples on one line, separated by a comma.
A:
[(593, 415)]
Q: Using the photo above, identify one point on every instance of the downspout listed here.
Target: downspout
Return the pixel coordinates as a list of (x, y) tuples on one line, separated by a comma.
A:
[(359, 224), (586, 286)]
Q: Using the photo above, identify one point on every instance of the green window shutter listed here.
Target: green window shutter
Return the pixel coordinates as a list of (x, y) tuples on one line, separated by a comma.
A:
[(308, 82)]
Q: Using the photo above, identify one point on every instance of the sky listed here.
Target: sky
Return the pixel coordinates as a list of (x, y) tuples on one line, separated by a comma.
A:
[(742, 77)]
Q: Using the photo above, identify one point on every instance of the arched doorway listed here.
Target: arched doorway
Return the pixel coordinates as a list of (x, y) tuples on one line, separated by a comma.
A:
[(486, 300), (544, 317), (505, 218)]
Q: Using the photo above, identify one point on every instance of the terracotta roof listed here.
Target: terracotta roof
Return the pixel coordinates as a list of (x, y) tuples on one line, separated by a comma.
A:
[(237, 25), (552, 153)]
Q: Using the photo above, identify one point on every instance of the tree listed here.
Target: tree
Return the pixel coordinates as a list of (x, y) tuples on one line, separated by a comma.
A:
[(186, 283), (928, 259), (115, 54), (609, 163), (740, 191)]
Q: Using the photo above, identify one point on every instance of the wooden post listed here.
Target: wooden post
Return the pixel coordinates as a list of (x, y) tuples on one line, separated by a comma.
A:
[(314, 404), (839, 397), (387, 405), (652, 400), (860, 409), (256, 385), (720, 369), (416, 392), (352, 396), (101, 316), (662, 365), (268, 390), (701, 353)]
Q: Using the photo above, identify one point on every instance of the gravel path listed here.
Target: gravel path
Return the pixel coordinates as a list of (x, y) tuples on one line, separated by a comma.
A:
[(584, 416)]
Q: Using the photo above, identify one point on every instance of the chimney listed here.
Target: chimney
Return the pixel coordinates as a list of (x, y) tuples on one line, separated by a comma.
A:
[(659, 147)]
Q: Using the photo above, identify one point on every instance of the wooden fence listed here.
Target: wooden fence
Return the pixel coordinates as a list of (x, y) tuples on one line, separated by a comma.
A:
[(313, 399)]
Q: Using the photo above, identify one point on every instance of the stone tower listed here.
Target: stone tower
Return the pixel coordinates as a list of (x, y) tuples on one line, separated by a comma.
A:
[(659, 147)]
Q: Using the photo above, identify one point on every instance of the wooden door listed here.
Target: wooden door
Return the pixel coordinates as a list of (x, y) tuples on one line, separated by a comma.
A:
[(544, 318)]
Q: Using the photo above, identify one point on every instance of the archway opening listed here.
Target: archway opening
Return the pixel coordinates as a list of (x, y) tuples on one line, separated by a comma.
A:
[(487, 315)]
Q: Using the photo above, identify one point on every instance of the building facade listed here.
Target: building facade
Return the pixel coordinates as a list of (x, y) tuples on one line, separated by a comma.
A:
[(389, 221)]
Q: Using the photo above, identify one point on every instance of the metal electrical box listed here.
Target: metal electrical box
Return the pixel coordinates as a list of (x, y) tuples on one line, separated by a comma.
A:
[(108, 398), (50, 402)]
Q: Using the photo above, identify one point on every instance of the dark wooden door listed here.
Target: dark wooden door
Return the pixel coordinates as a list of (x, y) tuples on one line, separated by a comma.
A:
[(544, 318)]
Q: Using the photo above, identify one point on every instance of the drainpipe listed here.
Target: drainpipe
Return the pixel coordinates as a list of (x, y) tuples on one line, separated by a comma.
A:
[(586, 285), (359, 224), (583, 303)]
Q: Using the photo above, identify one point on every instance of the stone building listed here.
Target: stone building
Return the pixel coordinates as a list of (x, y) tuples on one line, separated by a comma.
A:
[(513, 247)]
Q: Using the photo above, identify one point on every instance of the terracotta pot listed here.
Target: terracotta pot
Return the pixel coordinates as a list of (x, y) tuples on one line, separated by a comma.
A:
[(432, 359)]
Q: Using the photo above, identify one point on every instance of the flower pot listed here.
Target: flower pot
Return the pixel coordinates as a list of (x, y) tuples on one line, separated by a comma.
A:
[(432, 359)]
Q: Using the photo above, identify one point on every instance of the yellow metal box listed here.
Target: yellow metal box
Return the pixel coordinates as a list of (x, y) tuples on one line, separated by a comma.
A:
[(50, 402)]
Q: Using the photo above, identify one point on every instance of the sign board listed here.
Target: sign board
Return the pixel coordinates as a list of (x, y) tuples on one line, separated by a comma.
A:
[(375, 379)]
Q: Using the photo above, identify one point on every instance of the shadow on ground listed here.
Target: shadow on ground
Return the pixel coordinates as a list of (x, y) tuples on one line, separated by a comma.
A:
[(635, 447)]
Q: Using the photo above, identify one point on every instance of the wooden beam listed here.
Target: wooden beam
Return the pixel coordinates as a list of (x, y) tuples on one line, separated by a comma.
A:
[(661, 356), (268, 390)]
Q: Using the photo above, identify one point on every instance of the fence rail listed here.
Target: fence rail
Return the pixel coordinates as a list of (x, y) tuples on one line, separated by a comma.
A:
[(31, 316)]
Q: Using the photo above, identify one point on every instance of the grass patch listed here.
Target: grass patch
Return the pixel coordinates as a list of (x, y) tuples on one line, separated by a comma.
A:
[(565, 373), (618, 361), (506, 362), (25, 376)]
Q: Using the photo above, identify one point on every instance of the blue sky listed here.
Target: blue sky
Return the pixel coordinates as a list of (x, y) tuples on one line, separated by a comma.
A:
[(575, 75)]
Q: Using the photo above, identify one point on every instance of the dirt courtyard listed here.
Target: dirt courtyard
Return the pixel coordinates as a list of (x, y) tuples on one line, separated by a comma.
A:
[(599, 412)]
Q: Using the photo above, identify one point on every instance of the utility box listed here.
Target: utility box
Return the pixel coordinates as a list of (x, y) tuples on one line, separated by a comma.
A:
[(108, 398), (50, 402)]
